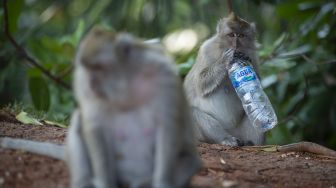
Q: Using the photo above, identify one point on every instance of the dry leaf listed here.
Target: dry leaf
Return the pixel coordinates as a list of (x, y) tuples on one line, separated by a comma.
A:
[(55, 124), (23, 117)]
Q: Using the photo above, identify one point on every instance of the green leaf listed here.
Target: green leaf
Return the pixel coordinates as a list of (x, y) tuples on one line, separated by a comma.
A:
[(74, 38), (282, 86), (79, 31), (287, 10), (14, 11), (299, 51), (185, 67), (39, 93), (34, 72), (55, 124), (23, 117), (279, 64), (269, 80), (51, 44), (97, 8), (280, 40)]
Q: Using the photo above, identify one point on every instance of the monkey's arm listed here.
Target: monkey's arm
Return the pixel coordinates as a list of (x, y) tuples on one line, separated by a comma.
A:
[(168, 105), (77, 154), (212, 71), (95, 135), (43, 148)]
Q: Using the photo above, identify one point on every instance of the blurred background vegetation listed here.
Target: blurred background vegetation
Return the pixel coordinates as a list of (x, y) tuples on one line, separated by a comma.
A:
[(297, 51)]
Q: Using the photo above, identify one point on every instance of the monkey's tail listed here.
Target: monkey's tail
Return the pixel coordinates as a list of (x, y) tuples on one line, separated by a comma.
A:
[(43, 148)]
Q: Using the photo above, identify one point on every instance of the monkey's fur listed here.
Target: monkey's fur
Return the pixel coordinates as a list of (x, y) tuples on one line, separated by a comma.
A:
[(132, 127), (216, 108)]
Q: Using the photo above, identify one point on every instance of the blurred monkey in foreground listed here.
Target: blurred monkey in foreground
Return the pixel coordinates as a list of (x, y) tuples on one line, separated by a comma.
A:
[(132, 127)]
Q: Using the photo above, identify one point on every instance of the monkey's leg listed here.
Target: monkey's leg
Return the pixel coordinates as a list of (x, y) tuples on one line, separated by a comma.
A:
[(247, 133), (211, 129), (100, 154), (77, 155)]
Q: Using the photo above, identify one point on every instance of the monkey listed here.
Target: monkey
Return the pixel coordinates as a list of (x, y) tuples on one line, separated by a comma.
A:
[(132, 127), (216, 109)]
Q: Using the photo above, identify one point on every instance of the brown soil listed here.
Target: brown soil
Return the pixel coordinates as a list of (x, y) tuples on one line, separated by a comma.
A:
[(222, 166)]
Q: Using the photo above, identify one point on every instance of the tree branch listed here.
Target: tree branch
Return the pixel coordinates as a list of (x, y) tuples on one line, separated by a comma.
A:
[(31, 61), (229, 6)]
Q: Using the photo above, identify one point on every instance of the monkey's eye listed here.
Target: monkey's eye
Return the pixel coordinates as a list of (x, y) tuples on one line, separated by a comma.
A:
[(231, 34), (240, 35)]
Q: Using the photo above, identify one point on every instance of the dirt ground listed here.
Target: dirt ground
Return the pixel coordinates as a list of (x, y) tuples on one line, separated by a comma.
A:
[(222, 166)]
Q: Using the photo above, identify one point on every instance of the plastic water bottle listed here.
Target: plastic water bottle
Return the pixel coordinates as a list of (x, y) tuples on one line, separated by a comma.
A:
[(248, 87)]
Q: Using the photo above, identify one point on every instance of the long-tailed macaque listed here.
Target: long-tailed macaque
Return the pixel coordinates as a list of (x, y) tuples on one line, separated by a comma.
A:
[(132, 127), (216, 108)]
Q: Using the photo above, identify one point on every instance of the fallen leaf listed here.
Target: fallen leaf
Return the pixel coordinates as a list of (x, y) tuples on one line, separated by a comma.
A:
[(23, 117), (55, 124), (270, 149)]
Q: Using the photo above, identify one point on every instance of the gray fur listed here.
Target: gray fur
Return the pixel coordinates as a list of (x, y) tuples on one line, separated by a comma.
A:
[(216, 108), (132, 127)]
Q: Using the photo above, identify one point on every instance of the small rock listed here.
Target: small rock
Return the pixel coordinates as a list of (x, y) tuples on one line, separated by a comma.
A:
[(229, 183), (222, 161), (7, 173), (2, 180)]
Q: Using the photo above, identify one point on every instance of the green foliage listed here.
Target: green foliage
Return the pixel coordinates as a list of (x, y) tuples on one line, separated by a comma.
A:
[(40, 94), (23, 117), (14, 10), (296, 50), (302, 93)]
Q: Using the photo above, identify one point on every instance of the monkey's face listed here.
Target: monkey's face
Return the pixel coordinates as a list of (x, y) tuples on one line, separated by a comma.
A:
[(120, 69), (236, 33)]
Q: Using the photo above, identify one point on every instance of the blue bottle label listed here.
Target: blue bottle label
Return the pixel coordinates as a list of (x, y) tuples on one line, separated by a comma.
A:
[(242, 75)]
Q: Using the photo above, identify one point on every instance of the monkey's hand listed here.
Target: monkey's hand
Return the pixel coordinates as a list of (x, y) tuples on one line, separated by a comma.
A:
[(228, 55)]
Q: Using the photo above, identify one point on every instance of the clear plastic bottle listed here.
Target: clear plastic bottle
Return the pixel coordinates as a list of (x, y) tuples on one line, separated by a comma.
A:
[(248, 87)]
